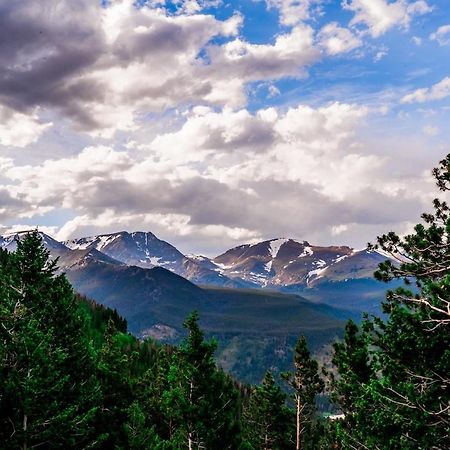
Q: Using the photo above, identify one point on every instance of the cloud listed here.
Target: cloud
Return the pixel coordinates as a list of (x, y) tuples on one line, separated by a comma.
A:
[(441, 35), (50, 230), (292, 12), (335, 39), (291, 53), (225, 176), (86, 62), (436, 92), (20, 130), (379, 16)]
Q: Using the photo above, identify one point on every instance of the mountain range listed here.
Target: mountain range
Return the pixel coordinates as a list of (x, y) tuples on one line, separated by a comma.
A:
[(255, 298), (280, 264)]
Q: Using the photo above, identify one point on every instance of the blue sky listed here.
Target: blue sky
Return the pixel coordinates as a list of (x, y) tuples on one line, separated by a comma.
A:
[(213, 123)]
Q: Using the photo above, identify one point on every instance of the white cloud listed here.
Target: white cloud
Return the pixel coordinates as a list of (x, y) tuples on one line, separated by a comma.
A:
[(50, 230), (292, 11), (380, 54), (379, 16), (436, 92), (225, 176), (288, 56), (273, 91), (335, 39), (106, 68), (441, 35), (20, 130), (339, 229)]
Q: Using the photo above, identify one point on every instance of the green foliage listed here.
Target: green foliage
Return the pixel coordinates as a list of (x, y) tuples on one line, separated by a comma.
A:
[(48, 386), (200, 401), (268, 423), (305, 384), (393, 383)]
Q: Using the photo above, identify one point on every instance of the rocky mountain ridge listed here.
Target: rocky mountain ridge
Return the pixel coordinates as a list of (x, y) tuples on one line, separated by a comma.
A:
[(279, 264)]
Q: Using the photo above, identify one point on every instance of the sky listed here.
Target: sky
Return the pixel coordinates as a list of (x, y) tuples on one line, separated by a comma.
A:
[(215, 123)]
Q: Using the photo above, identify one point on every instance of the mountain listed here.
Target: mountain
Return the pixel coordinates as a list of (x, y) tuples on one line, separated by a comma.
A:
[(280, 263), (8, 241), (337, 275), (256, 328), (144, 249)]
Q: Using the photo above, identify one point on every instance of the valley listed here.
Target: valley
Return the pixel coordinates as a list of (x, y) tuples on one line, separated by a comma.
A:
[(256, 321)]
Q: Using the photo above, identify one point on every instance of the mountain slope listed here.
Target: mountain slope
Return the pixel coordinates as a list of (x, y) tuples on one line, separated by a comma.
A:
[(144, 249), (255, 329), (282, 263)]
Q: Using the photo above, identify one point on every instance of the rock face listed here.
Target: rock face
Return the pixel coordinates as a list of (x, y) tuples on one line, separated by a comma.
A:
[(283, 263), (144, 249)]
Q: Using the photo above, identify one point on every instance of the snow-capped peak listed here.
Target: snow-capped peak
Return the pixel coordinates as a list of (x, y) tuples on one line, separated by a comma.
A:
[(275, 245)]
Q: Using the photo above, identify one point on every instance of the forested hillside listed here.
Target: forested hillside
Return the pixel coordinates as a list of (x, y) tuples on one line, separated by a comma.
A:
[(72, 377)]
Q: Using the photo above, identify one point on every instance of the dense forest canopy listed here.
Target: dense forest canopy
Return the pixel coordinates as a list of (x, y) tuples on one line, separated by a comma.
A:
[(72, 377)]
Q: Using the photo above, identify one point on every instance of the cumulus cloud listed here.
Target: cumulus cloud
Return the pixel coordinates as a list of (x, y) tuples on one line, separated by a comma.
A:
[(20, 130), (222, 177), (288, 56), (436, 92), (335, 39), (441, 35), (379, 16), (292, 11), (104, 68)]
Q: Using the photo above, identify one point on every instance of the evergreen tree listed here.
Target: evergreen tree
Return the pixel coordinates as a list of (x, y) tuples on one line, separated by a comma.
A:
[(201, 402), (402, 399), (350, 388), (49, 393), (114, 373), (305, 383), (268, 421)]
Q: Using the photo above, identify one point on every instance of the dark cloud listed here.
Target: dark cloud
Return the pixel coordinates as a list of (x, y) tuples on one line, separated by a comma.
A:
[(45, 47)]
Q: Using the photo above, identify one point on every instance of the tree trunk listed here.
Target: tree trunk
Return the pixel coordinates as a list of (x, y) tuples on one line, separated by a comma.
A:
[(297, 446), (24, 427)]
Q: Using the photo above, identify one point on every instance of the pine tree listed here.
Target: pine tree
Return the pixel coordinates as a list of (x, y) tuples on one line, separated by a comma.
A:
[(115, 381), (49, 391), (267, 419), (349, 390), (305, 383), (401, 399), (201, 402)]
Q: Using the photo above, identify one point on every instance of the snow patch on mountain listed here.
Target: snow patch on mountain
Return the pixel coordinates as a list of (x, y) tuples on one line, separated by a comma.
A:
[(154, 260), (339, 259), (99, 242), (275, 245), (222, 266), (307, 251), (105, 240), (197, 257), (316, 273)]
